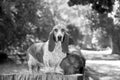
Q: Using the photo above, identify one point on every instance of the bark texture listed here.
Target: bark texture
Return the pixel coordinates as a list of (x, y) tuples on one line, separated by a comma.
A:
[(116, 42)]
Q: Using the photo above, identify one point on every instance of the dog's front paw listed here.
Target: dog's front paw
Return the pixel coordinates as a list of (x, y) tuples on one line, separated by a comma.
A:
[(30, 71), (59, 71), (45, 69)]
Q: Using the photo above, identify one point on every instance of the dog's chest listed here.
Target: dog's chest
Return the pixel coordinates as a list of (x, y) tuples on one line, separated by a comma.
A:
[(55, 57), (57, 53)]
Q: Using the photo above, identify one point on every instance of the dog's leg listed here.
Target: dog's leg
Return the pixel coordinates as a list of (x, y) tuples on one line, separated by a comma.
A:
[(58, 69), (46, 68), (37, 68), (31, 63), (30, 67)]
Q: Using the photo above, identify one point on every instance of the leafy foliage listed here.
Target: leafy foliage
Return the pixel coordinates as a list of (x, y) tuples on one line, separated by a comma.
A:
[(22, 22), (100, 6)]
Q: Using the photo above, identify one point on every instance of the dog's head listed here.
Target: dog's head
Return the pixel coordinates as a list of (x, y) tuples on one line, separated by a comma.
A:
[(59, 34)]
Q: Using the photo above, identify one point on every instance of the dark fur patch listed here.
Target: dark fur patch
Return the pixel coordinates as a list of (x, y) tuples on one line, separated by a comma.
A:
[(73, 64), (37, 52)]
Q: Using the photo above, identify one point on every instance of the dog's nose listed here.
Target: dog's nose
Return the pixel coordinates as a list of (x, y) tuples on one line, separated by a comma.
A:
[(59, 38)]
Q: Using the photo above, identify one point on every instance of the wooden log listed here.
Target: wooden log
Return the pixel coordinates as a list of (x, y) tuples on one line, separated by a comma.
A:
[(37, 76)]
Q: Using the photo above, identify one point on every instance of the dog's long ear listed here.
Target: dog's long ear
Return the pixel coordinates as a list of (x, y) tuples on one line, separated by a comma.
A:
[(65, 43), (51, 44)]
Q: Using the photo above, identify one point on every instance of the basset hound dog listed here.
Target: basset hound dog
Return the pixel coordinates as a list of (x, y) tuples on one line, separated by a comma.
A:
[(48, 55)]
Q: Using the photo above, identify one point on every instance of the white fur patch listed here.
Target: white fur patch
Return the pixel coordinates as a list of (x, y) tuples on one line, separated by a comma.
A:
[(54, 58)]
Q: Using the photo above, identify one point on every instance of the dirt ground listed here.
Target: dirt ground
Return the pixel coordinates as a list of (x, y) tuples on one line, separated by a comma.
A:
[(102, 65)]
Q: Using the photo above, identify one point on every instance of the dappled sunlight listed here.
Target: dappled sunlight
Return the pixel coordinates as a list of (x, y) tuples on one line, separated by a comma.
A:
[(107, 51), (102, 65), (76, 15), (105, 71)]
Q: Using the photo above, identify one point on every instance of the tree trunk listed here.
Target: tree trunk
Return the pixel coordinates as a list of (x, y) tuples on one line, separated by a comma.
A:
[(115, 42)]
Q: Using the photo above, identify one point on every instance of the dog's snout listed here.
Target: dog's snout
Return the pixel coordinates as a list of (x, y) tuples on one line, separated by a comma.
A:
[(59, 38)]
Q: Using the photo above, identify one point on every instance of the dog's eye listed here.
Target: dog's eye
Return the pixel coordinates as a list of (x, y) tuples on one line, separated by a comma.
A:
[(56, 30), (63, 30)]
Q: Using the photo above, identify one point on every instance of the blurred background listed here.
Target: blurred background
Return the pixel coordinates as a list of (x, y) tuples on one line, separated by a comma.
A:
[(93, 24)]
